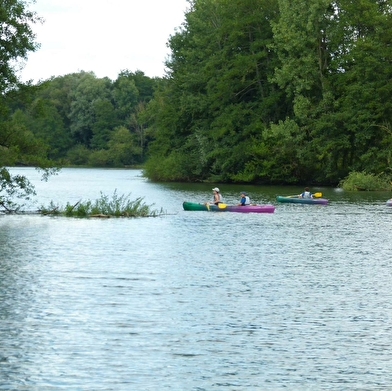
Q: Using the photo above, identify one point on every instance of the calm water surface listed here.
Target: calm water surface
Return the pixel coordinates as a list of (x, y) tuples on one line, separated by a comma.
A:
[(296, 300)]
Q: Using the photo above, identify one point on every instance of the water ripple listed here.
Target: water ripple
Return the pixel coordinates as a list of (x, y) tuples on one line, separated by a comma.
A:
[(297, 300)]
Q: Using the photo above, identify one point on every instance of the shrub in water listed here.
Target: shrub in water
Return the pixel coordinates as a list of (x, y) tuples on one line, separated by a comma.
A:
[(364, 181)]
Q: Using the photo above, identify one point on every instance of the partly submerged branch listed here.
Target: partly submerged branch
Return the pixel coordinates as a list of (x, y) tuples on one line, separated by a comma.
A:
[(15, 189)]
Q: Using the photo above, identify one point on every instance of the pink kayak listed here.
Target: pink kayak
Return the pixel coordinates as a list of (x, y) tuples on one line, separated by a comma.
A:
[(267, 208)]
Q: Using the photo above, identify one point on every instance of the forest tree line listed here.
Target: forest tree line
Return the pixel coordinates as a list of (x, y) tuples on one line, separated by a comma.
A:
[(84, 120), (257, 91)]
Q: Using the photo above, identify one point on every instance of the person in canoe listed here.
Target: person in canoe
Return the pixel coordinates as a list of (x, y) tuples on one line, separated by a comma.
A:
[(217, 197), (306, 193), (245, 200)]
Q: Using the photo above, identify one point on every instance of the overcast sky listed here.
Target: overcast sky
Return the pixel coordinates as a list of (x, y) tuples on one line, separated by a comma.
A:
[(102, 36)]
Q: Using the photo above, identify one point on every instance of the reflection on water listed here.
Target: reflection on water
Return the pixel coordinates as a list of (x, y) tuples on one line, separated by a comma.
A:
[(299, 299)]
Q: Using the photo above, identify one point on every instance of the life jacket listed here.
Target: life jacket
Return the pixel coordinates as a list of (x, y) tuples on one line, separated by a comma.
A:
[(306, 194), (247, 201), (220, 198)]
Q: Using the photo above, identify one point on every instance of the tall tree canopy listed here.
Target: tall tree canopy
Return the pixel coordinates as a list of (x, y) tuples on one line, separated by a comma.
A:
[(287, 91), (218, 98), (17, 142), (78, 116), (16, 38), (261, 91)]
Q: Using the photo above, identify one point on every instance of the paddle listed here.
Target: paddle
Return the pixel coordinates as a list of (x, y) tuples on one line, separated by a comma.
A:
[(222, 206), (315, 195)]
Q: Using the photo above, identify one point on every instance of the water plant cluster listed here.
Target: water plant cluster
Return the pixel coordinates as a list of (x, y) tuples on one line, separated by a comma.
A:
[(116, 206)]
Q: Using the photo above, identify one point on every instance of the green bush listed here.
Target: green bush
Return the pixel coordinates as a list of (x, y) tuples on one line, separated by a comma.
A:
[(78, 155), (363, 181), (99, 158)]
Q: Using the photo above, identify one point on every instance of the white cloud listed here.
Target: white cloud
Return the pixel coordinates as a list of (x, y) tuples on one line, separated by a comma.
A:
[(103, 36)]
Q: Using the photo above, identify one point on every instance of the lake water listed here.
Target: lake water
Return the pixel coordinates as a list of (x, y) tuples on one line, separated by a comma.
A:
[(296, 300)]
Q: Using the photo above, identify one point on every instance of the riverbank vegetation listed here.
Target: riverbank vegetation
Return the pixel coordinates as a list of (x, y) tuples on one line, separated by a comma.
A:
[(284, 92), (81, 120), (362, 181)]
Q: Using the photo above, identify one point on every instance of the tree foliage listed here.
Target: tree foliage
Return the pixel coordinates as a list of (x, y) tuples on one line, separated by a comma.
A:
[(257, 91), (16, 39), (77, 115), (72, 119), (276, 92), (17, 142), (218, 98), (357, 181)]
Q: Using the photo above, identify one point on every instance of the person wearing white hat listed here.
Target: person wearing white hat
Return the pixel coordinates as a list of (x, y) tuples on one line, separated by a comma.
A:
[(217, 197)]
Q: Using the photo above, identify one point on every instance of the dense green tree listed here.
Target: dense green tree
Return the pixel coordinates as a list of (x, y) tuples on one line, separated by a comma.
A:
[(16, 39), (145, 85), (104, 121), (362, 80), (83, 110), (131, 92), (137, 124), (335, 67), (301, 34), (79, 155), (256, 91), (219, 97), (60, 92), (125, 95), (279, 92), (17, 143), (79, 108), (124, 148), (44, 121)]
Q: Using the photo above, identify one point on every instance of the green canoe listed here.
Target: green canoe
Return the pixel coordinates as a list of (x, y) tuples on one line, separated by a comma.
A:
[(299, 200)]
